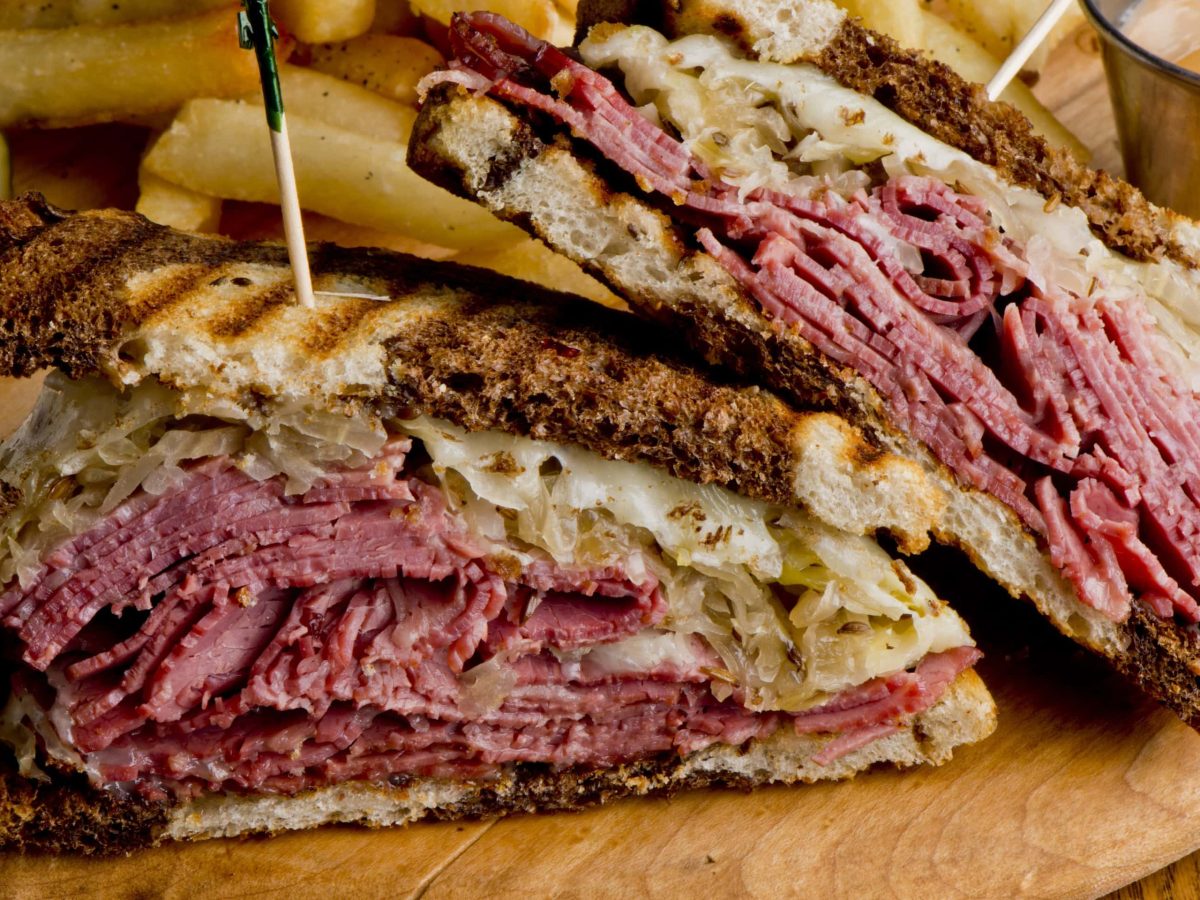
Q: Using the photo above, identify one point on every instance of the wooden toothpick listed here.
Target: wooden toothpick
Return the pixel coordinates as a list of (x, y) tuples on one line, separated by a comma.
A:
[(1021, 53), (255, 30)]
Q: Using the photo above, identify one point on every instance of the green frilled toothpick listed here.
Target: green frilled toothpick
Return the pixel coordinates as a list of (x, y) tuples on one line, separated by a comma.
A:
[(255, 30)]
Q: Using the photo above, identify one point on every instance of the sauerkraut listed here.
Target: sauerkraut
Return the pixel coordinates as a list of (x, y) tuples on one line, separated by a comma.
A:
[(86, 446)]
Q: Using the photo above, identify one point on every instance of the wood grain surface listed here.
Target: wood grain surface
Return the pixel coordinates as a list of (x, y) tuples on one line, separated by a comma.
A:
[(1084, 788)]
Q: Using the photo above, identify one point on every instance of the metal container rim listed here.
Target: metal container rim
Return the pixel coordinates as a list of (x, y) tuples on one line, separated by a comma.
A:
[(1109, 32)]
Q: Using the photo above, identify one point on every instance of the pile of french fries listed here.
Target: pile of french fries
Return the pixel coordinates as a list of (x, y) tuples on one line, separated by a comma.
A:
[(349, 71)]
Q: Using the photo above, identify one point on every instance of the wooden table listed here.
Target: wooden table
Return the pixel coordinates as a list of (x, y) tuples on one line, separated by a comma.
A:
[(1082, 788)]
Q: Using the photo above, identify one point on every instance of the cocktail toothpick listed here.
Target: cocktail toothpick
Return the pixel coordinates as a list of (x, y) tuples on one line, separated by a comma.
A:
[(255, 30), (1021, 53)]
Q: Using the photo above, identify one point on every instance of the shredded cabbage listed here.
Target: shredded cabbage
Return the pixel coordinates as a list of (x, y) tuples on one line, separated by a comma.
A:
[(86, 447)]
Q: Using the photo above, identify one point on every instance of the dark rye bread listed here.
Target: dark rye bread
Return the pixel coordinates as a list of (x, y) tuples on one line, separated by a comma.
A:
[(532, 173), (67, 815), (109, 292)]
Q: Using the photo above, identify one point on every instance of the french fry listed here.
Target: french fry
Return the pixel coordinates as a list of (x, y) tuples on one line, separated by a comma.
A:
[(963, 54), (542, 18), (533, 261), (319, 21), (89, 73), (568, 7), (385, 63), (261, 222), (80, 168), (900, 19), (395, 17), (220, 147), (316, 95), (5, 171), (999, 24), (66, 13), (346, 234), (169, 204)]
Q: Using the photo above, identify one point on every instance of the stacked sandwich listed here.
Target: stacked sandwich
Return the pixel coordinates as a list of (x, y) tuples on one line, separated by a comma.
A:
[(468, 551), (482, 548)]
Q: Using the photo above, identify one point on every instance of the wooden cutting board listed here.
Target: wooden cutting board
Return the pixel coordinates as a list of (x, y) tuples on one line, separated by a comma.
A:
[(1083, 788)]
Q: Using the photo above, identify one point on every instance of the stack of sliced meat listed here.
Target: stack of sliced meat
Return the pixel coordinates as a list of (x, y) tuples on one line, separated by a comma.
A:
[(224, 635), (1072, 419)]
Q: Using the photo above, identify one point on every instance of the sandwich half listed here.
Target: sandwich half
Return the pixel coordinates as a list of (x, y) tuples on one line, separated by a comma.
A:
[(819, 210), (474, 549)]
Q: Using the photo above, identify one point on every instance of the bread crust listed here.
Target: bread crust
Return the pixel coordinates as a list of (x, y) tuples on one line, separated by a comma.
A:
[(1164, 659), (68, 815)]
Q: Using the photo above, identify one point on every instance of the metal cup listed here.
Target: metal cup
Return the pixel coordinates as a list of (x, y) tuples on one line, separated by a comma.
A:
[(1157, 107)]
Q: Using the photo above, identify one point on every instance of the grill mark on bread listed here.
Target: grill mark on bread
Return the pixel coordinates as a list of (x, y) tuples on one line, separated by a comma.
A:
[(337, 325), (251, 309), (168, 291)]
